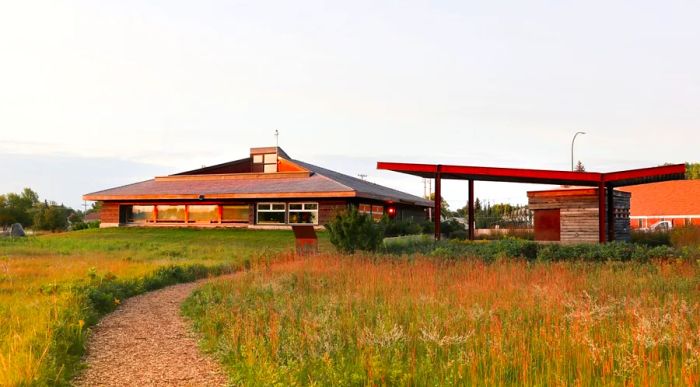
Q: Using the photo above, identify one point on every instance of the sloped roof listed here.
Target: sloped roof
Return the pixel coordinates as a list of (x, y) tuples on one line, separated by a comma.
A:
[(365, 188), (211, 183), (681, 197)]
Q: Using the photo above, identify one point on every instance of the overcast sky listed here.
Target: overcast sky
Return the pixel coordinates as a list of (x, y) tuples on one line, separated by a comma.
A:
[(131, 89)]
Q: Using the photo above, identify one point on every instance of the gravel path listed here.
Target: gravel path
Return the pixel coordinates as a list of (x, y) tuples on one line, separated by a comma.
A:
[(146, 342)]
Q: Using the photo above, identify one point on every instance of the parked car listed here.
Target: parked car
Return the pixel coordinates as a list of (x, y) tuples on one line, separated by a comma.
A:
[(663, 225)]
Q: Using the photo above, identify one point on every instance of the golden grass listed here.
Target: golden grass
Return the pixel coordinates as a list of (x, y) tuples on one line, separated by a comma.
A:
[(39, 277), (338, 320)]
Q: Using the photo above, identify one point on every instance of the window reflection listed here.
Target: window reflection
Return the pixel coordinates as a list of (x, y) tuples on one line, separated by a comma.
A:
[(203, 213), (235, 214), (140, 214), (168, 213)]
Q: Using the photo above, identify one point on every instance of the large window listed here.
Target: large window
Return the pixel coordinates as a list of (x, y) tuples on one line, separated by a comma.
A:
[(136, 214), (271, 213), (170, 213), (203, 213), (303, 213), (235, 214)]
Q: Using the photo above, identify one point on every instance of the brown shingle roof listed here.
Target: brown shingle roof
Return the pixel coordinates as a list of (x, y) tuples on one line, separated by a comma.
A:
[(318, 182), (681, 197)]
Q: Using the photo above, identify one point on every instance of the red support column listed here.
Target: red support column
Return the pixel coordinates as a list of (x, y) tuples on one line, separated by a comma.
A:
[(471, 209), (601, 213), (610, 212), (438, 203)]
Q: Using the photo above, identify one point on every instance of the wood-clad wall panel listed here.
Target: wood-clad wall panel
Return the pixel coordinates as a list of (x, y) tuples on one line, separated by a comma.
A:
[(109, 212)]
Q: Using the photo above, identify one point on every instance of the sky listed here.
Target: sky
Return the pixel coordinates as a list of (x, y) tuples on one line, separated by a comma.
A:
[(95, 94)]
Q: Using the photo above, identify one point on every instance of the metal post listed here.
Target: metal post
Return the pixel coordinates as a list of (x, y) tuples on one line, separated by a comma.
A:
[(572, 149), (610, 213), (471, 210), (601, 213), (438, 202)]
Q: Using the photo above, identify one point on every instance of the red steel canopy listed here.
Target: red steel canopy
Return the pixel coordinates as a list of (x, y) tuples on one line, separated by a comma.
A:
[(538, 176)]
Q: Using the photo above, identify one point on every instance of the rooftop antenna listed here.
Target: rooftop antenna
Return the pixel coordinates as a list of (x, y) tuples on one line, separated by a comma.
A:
[(362, 176), (277, 148)]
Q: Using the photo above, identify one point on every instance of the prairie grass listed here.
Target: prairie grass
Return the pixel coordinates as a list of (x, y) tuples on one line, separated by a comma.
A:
[(44, 283), (333, 320)]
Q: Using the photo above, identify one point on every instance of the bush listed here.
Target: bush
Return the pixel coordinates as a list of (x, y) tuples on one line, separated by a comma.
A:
[(651, 238), (350, 231), (685, 236), (394, 227), (489, 251), (79, 226), (452, 229)]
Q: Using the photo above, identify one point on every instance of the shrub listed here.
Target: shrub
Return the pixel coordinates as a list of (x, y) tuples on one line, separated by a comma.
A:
[(395, 227), (685, 236), (651, 238), (452, 229), (79, 226), (350, 231), (489, 251)]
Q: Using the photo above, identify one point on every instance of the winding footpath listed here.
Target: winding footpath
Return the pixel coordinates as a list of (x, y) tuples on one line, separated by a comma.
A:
[(146, 342)]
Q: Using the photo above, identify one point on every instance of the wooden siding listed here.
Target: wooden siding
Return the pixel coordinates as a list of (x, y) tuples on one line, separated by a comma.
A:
[(579, 213), (109, 213), (327, 209)]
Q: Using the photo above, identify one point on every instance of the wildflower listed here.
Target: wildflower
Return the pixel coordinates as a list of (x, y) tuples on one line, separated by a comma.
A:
[(117, 301), (81, 323)]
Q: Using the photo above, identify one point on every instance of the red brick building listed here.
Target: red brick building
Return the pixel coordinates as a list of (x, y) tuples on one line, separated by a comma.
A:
[(266, 189), (675, 201)]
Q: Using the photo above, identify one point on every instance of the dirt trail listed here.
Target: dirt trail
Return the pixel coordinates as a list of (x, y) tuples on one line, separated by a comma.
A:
[(146, 342)]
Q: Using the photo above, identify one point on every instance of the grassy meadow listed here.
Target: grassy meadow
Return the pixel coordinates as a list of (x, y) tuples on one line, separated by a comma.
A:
[(332, 320), (53, 286)]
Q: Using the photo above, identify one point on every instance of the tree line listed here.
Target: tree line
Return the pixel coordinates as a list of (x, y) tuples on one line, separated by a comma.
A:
[(28, 210)]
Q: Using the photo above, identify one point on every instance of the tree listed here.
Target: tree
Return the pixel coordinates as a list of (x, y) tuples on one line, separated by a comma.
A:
[(51, 217), (95, 207), (692, 171), (580, 167), (17, 208), (444, 207)]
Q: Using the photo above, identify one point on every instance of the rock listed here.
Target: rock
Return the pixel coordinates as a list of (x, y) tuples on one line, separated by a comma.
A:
[(16, 230)]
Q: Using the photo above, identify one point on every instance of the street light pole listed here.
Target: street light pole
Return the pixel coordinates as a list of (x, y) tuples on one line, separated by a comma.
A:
[(572, 149)]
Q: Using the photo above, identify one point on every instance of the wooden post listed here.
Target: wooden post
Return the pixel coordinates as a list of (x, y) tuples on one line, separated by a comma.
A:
[(601, 213), (610, 216), (471, 210), (438, 203)]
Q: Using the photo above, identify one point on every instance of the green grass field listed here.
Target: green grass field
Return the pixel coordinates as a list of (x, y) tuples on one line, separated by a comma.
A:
[(42, 279)]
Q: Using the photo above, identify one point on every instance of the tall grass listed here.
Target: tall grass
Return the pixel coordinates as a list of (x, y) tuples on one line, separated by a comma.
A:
[(332, 320), (54, 286)]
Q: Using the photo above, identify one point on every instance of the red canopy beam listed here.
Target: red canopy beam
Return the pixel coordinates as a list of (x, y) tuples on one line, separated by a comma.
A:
[(539, 176)]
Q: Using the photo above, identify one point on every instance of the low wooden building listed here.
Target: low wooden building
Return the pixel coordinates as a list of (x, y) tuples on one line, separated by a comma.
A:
[(572, 215), (267, 189)]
